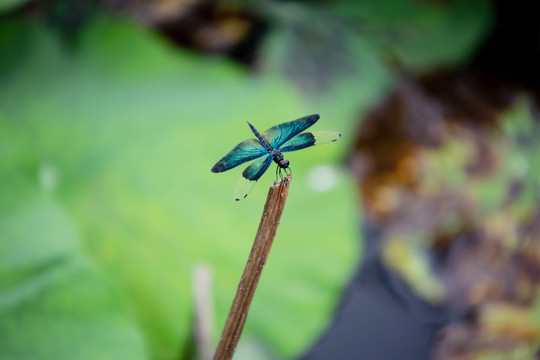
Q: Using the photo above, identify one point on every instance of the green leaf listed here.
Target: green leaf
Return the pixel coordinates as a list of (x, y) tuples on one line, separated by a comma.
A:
[(420, 35), (53, 302), (123, 134)]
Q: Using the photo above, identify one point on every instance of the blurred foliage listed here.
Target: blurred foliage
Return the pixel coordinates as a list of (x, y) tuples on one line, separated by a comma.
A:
[(106, 198), (326, 43), (54, 303), (7, 5), (121, 138), (456, 197)]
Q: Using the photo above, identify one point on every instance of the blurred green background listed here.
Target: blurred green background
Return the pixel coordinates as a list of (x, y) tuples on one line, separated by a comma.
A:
[(109, 127)]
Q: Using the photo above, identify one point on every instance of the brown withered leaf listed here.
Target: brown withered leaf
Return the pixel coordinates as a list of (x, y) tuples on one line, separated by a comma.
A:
[(213, 27)]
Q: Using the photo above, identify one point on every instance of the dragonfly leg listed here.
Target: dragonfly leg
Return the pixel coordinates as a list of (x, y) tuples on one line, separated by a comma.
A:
[(282, 172)]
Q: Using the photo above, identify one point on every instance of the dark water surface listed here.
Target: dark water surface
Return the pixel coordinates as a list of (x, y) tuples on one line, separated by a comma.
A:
[(380, 317)]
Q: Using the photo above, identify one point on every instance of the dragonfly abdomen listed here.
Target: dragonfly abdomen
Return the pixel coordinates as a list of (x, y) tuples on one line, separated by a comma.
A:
[(262, 140)]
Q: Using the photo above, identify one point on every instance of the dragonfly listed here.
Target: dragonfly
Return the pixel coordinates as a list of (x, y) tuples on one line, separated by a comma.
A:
[(270, 145)]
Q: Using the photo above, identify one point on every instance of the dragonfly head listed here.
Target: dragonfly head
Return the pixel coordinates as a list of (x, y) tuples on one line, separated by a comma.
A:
[(284, 163)]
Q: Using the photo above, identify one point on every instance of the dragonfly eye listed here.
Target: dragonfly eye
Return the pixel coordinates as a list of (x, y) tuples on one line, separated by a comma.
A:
[(284, 163)]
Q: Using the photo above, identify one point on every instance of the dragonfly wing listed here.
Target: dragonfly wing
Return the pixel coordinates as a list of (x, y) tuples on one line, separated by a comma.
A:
[(279, 134), (307, 139), (245, 151), (250, 176)]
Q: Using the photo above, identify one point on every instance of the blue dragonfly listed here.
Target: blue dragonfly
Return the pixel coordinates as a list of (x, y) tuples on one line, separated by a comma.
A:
[(269, 146)]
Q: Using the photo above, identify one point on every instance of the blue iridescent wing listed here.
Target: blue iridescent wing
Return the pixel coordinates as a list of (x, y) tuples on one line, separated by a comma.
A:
[(307, 139), (279, 134), (250, 176), (245, 151)]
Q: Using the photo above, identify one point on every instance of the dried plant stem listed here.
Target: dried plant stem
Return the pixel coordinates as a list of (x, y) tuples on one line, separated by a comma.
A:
[(204, 311), (275, 203)]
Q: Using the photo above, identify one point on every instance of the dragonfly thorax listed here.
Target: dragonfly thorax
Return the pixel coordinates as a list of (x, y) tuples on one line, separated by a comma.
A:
[(279, 159)]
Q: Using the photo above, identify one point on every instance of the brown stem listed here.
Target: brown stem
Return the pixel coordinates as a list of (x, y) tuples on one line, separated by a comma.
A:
[(275, 202)]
